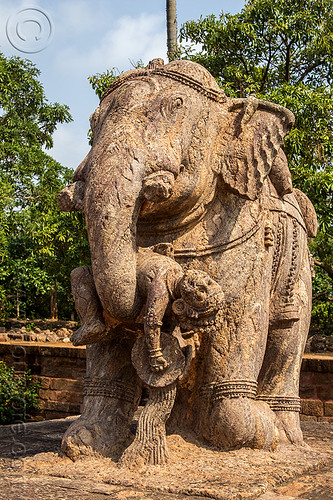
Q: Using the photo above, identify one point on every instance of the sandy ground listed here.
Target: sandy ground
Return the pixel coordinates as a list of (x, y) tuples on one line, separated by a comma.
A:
[(31, 468)]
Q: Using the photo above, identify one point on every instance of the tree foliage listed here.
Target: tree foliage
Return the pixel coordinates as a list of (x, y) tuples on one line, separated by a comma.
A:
[(282, 51), (38, 243), (101, 81), (18, 395)]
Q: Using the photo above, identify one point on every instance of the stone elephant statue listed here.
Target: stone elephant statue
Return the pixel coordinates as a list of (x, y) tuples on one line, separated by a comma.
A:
[(197, 238)]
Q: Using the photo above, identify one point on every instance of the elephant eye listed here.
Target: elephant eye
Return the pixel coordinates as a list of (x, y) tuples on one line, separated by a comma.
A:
[(175, 104), (170, 106), (178, 103)]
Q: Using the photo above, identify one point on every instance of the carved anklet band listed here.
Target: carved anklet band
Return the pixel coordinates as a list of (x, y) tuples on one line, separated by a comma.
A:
[(230, 389), (282, 403), (109, 388)]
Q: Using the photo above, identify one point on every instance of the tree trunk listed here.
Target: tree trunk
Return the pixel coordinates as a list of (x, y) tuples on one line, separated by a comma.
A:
[(54, 304), (17, 305), (172, 29)]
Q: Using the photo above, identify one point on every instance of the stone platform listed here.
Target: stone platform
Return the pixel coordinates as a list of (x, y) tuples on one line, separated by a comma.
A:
[(30, 467), (62, 369)]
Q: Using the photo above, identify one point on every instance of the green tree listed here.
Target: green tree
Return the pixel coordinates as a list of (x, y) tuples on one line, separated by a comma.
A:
[(18, 395), (282, 51), (37, 241)]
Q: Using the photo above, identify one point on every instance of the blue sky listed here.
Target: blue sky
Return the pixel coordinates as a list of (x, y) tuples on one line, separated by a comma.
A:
[(89, 36)]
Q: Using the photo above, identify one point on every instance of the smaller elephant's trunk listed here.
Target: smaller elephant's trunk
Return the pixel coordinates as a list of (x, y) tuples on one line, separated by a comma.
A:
[(113, 201)]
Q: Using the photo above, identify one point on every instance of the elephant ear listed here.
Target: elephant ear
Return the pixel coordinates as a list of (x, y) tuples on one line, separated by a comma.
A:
[(253, 138)]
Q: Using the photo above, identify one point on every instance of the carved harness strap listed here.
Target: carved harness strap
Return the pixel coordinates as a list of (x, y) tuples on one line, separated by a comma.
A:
[(286, 306), (218, 247)]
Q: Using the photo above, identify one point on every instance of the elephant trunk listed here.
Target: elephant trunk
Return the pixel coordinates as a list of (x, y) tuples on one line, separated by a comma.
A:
[(112, 201), (115, 192)]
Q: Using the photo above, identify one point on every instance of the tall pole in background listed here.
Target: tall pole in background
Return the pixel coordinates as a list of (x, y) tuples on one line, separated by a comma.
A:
[(171, 12)]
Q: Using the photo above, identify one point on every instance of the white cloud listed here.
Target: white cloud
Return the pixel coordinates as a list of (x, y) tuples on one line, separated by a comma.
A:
[(78, 17), (131, 39), (5, 11), (70, 146)]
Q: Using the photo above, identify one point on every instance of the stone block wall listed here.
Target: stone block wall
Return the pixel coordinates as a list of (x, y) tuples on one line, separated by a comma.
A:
[(62, 369), (316, 387)]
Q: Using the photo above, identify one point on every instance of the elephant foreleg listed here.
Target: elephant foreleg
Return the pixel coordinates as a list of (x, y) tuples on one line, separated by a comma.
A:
[(230, 416), (278, 382), (279, 378), (111, 395), (88, 307)]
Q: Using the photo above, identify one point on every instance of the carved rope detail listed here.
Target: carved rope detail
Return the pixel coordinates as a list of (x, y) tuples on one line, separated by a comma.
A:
[(230, 389), (219, 247), (109, 388), (278, 249), (282, 403), (288, 298), (212, 94)]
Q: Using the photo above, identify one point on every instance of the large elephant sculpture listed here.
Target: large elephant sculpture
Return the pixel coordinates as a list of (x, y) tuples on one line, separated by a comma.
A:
[(185, 187)]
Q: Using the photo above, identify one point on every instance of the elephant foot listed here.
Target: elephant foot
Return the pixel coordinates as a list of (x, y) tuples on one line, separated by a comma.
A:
[(288, 424), (238, 422), (95, 438), (78, 440), (89, 333)]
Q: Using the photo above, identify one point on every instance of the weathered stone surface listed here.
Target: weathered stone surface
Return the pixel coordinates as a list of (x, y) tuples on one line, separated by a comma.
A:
[(308, 418), (51, 337), (60, 384), (322, 363), (307, 392), (195, 231), (48, 331), (313, 407), (62, 333), (38, 472), (329, 420), (328, 408), (319, 343)]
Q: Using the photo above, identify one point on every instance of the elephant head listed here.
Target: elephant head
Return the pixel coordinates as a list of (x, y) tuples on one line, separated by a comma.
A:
[(164, 138)]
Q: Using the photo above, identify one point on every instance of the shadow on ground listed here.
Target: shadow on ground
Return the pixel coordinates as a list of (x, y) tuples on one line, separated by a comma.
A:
[(31, 468), (23, 440)]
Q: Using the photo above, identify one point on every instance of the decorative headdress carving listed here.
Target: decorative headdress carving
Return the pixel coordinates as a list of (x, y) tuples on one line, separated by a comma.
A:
[(156, 67)]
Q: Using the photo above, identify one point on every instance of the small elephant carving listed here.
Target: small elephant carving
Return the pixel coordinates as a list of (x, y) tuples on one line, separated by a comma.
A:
[(200, 277)]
